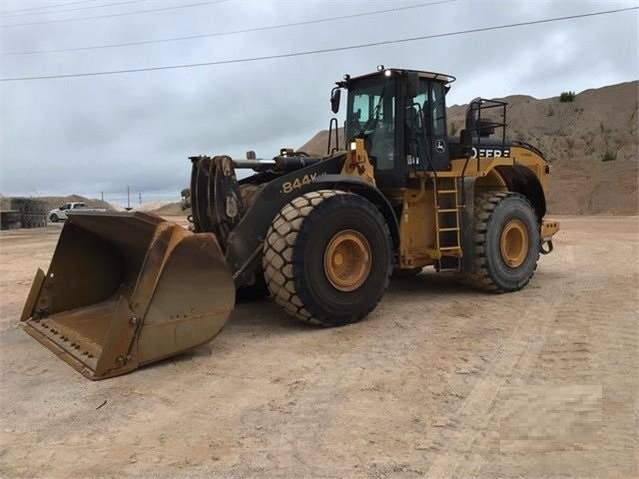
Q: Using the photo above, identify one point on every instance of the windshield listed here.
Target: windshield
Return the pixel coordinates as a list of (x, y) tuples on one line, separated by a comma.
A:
[(371, 115)]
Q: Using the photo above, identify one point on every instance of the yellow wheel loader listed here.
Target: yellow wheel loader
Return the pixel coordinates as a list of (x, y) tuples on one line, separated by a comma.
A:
[(322, 235)]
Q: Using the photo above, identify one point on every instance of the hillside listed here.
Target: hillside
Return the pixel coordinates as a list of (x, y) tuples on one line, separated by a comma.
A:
[(574, 137)]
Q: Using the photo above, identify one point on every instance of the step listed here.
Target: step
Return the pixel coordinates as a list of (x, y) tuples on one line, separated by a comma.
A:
[(449, 270), (447, 210), (446, 191), (448, 229), (450, 248)]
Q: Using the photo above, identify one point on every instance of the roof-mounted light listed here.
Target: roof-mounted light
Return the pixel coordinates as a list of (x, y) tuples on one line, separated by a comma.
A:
[(346, 77), (380, 68), (387, 73)]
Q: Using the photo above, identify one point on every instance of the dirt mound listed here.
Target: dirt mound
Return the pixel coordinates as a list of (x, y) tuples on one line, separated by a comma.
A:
[(52, 202), (169, 208), (593, 187), (316, 146), (575, 137), (597, 121), (151, 206)]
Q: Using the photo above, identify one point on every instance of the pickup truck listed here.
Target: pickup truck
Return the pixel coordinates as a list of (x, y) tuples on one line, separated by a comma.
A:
[(62, 212)]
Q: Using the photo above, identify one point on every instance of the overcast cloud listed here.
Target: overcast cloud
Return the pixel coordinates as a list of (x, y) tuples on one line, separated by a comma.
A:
[(87, 135)]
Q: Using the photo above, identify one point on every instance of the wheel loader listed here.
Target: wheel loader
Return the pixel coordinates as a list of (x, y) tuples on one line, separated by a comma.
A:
[(321, 235)]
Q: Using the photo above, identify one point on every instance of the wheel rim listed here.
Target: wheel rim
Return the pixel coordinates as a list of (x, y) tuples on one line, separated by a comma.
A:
[(513, 243), (347, 260)]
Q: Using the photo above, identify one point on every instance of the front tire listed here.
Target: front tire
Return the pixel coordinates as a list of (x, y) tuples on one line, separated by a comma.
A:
[(507, 241), (328, 257), (54, 218)]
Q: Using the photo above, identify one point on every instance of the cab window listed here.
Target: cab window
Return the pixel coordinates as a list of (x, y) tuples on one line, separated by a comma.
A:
[(437, 109), (371, 115)]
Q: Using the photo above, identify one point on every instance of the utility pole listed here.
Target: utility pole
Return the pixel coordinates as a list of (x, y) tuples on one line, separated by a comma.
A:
[(128, 198), (102, 195), (140, 194)]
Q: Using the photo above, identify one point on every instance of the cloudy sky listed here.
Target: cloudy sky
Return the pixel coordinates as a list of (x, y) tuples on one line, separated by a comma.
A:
[(90, 134)]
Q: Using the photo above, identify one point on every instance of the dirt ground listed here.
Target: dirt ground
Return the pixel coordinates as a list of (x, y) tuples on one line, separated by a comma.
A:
[(439, 381)]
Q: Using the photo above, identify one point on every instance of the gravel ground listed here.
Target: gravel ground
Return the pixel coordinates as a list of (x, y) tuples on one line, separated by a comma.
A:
[(439, 381)]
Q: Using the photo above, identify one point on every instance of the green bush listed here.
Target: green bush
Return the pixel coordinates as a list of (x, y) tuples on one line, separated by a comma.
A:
[(609, 156), (567, 96)]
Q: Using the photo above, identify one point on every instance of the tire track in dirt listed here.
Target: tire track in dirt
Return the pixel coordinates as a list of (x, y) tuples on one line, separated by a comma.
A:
[(511, 366), (617, 347), (595, 327)]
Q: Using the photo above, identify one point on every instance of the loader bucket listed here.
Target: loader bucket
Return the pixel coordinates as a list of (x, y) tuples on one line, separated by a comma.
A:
[(127, 289)]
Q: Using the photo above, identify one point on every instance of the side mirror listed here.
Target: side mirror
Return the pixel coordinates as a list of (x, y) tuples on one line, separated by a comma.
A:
[(411, 85), (336, 95)]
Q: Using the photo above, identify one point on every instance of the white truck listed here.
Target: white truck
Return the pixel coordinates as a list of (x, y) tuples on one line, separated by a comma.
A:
[(62, 212)]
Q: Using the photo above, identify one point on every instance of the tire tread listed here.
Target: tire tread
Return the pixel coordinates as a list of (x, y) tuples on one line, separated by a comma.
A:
[(480, 278), (278, 257)]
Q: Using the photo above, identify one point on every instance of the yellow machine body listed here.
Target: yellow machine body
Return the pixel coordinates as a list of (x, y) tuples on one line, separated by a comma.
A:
[(419, 223), (128, 289)]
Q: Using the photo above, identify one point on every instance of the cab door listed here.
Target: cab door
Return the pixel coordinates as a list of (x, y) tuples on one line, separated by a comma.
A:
[(438, 137), (426, 143)]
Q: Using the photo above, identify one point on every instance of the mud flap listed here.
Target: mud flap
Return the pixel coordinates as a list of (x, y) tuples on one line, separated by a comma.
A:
[(125, 290)]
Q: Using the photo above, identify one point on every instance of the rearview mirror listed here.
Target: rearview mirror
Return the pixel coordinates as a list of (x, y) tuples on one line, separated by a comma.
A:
[(336, 95)]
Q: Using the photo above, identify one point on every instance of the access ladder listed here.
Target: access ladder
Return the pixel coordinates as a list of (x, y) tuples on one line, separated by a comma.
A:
[(447, 222)]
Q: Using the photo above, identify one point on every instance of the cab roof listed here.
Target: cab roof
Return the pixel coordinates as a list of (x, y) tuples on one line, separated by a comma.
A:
[(422, 74)]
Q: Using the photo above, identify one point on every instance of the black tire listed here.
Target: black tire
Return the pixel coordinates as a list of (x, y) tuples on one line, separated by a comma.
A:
[(407, 273), (54, 218), (493, 212), (295, 250)]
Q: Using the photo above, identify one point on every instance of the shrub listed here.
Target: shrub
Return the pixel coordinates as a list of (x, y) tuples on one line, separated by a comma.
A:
[(609, 156), (567, 96)]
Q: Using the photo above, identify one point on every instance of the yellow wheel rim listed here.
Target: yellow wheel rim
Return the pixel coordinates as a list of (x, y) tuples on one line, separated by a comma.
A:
[(347, 260), (513, 243)]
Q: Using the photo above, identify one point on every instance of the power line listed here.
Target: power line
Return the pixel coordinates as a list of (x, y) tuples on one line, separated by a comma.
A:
[(74, 9), (136, 12), (46, 7), (232, 32), (314, 52)]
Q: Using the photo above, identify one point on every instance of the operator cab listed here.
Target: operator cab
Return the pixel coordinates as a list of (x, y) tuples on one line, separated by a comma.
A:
[(401, 115)]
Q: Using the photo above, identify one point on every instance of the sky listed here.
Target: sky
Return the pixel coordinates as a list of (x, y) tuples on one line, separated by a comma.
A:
[(98, 134)]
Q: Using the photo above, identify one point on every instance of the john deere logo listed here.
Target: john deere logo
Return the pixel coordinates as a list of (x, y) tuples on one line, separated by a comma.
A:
[(440, 146)]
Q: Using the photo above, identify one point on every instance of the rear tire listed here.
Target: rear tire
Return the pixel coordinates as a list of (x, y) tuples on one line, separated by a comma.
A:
[(327, 257), (54, 218), (507, 241)]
